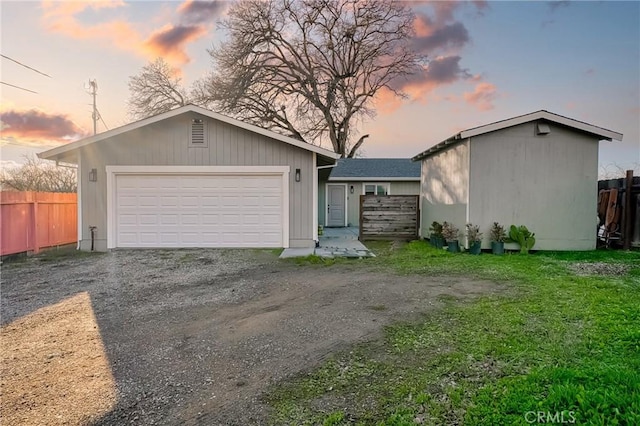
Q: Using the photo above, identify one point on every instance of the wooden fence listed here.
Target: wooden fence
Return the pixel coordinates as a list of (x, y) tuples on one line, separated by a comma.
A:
[(619, 211), (389, 217), (30, 221)]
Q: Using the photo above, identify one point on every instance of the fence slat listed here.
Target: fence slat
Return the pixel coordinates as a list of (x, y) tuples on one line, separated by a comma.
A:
[(389, 217), (30, 221)]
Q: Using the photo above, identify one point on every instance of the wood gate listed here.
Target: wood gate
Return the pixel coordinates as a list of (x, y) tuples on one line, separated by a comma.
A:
[(389, 217)]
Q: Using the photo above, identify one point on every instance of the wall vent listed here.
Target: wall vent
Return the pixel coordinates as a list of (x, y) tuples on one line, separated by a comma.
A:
[(542, 129), (198, 133)]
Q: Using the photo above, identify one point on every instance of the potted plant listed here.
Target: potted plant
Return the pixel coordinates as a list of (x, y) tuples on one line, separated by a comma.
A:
[(474, 238), (435, 235), (497, 236), (450, 234), (524, 237)]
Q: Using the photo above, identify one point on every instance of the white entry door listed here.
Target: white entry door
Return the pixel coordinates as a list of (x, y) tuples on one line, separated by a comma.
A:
[(336, 205), (193, 210)]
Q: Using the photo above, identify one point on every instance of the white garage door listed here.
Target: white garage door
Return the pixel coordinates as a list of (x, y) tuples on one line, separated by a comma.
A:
[(198, 211)]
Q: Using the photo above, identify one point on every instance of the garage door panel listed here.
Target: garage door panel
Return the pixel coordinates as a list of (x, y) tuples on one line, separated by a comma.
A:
[(166, 202), (169, 238), (198, 211), (189, 219), (169, 219)]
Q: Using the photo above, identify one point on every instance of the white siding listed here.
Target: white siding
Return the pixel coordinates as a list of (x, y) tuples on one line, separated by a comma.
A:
[(546, 182), (444, 187)]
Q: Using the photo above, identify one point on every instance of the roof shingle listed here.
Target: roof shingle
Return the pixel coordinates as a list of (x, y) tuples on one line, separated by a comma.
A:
[(358, 168)]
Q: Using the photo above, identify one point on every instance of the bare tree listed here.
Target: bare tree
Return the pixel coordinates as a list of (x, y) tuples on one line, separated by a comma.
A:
[(155, 90), (38, 175), (309, 68), (616, 171)]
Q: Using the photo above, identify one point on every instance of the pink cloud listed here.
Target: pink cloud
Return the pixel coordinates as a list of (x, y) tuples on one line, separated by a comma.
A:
[(439, 37), (37, 125), (441, 71), (194, 11), (170, 41), (482, 97)]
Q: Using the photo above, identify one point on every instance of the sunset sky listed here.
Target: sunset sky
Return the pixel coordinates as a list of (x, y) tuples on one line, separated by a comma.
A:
[(489, 61)]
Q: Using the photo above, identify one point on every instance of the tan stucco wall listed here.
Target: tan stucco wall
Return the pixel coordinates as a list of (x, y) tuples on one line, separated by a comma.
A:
[(166, 143), (444, 187), (546, 182)]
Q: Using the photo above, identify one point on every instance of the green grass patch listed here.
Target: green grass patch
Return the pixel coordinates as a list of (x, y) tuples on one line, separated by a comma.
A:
[(316, 260), (555, 343), (53, 254)]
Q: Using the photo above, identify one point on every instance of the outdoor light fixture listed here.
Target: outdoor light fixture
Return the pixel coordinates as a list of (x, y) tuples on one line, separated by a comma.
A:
[(297, 175), (93, 175), (351, 189)]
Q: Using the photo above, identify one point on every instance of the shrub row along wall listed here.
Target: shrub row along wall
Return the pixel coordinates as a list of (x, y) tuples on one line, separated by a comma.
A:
[(394, 217), (34, 220)]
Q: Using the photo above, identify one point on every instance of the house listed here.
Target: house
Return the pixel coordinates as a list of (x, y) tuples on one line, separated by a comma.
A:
[(539, 170), (193, 178), (340, 187)]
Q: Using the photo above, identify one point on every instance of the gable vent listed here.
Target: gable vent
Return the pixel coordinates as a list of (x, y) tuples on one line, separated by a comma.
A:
[(542, 129), (197, 132)]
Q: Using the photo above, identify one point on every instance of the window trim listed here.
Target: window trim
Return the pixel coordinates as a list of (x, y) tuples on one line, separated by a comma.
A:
[(387, 185)]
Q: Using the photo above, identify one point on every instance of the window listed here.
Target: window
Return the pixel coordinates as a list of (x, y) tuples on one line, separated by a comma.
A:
[(198, 133), (376, 188)]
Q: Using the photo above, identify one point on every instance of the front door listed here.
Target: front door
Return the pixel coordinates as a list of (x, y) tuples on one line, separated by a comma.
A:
[(336, 205)]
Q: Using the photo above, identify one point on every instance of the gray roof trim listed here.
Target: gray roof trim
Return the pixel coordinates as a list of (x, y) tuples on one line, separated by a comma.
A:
[(374, 169), (374, 179), (605, 134)]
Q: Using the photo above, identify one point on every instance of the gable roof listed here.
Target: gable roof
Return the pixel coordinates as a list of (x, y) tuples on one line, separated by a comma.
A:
[(59, 152), (603, 133), (369, 169)]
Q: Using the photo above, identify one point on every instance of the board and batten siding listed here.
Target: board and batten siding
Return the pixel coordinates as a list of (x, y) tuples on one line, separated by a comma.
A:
[(353, 200), (166, 143), (444, 187), (545, 182)]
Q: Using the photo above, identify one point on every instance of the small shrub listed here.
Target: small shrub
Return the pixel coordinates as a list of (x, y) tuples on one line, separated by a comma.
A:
[(449, 231), (524, 237), (473, 233), (436, 229), (497, 233)]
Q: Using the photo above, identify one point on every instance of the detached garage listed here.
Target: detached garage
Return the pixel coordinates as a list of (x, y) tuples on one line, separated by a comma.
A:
[(194, 178)]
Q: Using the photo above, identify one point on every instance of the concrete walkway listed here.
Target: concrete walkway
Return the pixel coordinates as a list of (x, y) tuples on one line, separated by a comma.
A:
[(335, 242)]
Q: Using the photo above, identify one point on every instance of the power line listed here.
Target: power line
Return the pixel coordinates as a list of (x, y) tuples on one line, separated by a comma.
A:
[(102, 119), (26, 66), (18, 87)]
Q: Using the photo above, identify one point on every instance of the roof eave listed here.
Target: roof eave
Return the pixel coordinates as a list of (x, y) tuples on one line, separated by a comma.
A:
[(49, 154), (603, 133), (373, 179), (438, 147)]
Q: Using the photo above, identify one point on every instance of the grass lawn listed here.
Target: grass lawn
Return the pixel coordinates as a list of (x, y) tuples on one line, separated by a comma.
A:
[(556, 344)]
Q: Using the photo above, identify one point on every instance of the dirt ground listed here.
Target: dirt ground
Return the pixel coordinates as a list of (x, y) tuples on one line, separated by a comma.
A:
[(185, 336)]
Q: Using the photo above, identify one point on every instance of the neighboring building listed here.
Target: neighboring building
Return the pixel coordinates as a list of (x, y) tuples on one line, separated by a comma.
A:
[(340, 187), (538, 170), (194, 178)]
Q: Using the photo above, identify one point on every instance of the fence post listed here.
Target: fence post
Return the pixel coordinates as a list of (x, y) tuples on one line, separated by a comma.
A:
[(36, 242), (626, 245), (360, 218)]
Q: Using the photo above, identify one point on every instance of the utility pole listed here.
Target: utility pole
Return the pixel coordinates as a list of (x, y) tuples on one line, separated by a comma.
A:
[(93, 85)]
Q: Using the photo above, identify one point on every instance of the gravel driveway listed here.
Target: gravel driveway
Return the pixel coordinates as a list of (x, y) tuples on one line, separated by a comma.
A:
[(185, 336)]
